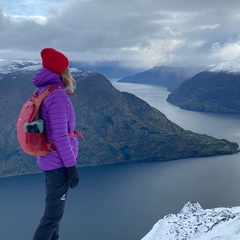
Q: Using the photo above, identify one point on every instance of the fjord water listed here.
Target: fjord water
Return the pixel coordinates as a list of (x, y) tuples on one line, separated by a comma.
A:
[(123, 202)]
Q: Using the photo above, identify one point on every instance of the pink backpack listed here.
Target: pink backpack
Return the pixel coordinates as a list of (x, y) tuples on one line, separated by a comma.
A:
[(30, 131)]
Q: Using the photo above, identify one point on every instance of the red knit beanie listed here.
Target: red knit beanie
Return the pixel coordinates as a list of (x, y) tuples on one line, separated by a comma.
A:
[(54, 60)]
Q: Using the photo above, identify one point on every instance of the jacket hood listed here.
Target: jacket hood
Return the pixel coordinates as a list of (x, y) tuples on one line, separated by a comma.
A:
[(45, 77)]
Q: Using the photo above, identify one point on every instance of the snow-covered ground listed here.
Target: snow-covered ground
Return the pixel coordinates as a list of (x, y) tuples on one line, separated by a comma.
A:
[(195, 223)]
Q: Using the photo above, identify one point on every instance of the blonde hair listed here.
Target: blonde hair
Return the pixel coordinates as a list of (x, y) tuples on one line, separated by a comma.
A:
[(68, 80)]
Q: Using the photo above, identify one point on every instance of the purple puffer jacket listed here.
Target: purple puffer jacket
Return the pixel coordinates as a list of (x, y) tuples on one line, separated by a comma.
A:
[(59, 121)]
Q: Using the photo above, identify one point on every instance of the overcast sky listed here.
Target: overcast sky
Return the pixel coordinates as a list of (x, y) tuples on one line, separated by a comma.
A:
[(143, 33)]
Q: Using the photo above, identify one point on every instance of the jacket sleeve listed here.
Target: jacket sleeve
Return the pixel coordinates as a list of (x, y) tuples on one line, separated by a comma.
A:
[(58, 115)]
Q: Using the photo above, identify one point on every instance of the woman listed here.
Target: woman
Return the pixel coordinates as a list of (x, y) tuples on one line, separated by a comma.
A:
[(59, 121)]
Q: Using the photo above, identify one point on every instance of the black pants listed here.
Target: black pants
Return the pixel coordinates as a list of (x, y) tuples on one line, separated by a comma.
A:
[(56, 193)]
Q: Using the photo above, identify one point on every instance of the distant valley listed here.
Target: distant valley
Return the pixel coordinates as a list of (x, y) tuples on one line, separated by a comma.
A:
[(205, 89)]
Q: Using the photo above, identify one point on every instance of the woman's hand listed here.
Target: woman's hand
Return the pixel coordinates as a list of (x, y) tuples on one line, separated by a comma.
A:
[(73, 177)]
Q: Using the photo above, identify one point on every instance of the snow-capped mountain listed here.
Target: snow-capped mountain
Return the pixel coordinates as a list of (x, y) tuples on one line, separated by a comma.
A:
[(9, 66), (228, 67), (195, 223), (215, 90)]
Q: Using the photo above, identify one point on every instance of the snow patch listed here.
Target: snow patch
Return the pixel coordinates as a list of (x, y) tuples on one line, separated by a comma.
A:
[(31, 68), (75, 70)]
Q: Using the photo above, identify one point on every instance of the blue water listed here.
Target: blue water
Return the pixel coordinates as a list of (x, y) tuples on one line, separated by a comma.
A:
[(123, 202)]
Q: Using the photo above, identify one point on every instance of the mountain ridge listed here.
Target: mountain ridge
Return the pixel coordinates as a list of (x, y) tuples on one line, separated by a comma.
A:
[(163, 75), (209, 91)]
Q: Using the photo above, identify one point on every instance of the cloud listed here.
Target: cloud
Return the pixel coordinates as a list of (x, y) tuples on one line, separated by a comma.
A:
[(38, 19), (138, 32), (227, 51)]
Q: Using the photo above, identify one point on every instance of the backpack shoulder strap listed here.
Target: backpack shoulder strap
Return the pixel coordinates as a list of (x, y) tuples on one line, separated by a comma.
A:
[(44, 94), (38, 99)]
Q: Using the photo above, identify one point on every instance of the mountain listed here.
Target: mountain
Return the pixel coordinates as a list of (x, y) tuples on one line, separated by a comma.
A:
[(215, 90), (195, 223), (118, 126), (163, 75), (9, 66)]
